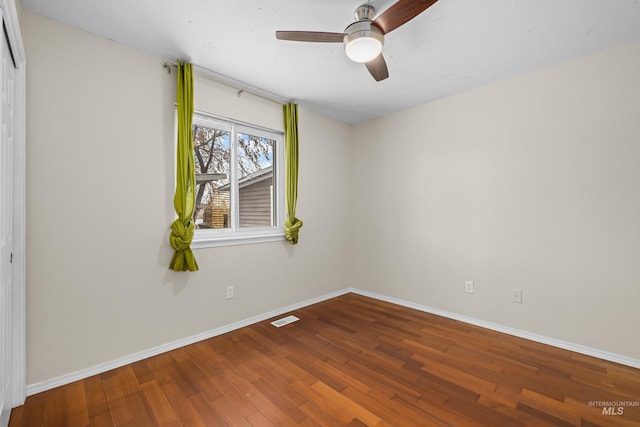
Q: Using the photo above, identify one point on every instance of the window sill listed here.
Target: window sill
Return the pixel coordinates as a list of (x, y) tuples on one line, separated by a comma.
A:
[(213, 241)]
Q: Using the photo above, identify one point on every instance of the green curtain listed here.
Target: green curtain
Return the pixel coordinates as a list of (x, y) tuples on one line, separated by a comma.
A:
[(291, 224), (184, 201)]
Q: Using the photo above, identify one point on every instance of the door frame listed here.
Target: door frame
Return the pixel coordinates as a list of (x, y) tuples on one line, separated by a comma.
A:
[(18, 331)]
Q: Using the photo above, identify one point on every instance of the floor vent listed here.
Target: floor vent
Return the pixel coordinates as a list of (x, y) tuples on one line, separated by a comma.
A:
[(284, 321)]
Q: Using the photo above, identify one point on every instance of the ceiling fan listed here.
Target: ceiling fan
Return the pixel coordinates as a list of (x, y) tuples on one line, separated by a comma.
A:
[(364, 38)]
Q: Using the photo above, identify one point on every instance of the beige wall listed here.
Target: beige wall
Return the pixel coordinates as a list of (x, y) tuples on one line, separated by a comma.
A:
[(18, 4), (100, 193), (530, 183)]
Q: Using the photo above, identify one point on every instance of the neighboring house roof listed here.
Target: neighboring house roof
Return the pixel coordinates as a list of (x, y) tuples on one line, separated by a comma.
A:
[(261, 175)]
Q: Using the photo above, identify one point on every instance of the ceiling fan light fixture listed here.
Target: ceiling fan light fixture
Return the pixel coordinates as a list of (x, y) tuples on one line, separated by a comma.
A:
[(363, 42), (364, 38)]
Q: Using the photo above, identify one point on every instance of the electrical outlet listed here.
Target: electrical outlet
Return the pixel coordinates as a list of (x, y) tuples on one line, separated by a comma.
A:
[(229, 292), (468, 286), (516, 295)]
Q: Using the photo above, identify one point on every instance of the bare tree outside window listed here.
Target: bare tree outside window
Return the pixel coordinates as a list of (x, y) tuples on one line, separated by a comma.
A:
[(213, 167), (213, 152)]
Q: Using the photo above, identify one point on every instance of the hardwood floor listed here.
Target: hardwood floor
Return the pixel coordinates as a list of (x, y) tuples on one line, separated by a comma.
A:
[(351, 361)]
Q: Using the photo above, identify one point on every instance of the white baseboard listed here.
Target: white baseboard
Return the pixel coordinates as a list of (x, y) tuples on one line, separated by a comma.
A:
[(107, 366), (104, 367), (578, 348)]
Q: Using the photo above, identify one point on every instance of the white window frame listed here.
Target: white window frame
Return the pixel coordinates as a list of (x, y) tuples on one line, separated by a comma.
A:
[(206, 238)]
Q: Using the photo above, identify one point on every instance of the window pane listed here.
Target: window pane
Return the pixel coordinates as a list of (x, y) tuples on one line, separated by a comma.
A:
[(255, 181), (212, 161)]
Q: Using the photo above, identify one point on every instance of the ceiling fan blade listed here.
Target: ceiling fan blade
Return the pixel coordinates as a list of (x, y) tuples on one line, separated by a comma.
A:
[(400, 13), (310, 36), (378, 68)]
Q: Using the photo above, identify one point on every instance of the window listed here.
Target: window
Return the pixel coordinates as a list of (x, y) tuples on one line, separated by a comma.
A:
[(239, 182)]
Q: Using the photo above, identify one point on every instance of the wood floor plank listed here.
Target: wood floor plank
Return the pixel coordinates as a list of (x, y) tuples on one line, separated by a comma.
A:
[(455, 376), (15, 420), (550, 406), (96, 398), (121, 413), (282, 398), (142, 372), (440, 412), (233, 414), (257, 419), (142, 413), (207, 412), (102, 419), (335, 404), (402, 414), (181, 405), (55, 407), (128, 380), (200, 380), (351, 361), (33, 411), (77, 411), (113, 388), (233, 400), (318, 414), (483, 415), (272, 411), (161, 408)]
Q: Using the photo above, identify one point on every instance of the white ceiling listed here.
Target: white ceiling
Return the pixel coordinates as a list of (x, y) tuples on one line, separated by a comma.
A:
[(453, 46)]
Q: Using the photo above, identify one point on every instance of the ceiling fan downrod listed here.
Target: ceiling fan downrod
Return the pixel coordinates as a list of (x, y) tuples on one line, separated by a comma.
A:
[(365, 11)]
